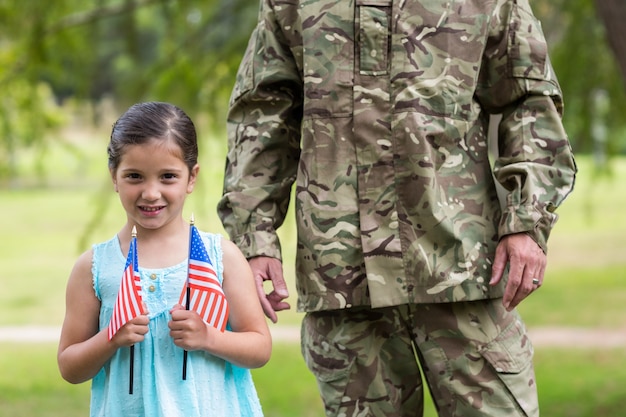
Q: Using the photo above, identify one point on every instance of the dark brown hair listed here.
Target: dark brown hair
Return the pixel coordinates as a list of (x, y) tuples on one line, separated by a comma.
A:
[(153, 120)]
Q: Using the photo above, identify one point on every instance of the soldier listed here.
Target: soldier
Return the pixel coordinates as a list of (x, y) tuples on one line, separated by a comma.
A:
[(407, 258)]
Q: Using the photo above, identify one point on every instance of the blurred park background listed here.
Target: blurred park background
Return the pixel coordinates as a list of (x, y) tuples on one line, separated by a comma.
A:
[(69, 68)]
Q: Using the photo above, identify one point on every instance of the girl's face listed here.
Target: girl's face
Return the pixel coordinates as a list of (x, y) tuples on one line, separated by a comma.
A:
[(153, 182)]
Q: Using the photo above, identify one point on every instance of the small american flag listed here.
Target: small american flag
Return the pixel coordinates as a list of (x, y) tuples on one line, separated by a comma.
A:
[(206, 296), (129, 303)]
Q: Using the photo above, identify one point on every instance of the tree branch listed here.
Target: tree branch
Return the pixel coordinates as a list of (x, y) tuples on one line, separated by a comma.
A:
[(613, 14)]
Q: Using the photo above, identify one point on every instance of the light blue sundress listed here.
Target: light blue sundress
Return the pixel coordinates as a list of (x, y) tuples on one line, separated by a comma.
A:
[(213, 387)]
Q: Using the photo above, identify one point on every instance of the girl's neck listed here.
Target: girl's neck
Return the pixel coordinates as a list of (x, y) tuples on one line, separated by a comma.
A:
[(158, 248)]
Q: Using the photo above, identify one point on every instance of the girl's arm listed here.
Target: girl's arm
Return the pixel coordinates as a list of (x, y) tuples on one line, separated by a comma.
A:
[(249, 344), (83, 350)]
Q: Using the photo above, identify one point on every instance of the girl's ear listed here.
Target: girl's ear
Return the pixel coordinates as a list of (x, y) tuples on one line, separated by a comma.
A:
[(114, 180), (193, 176)]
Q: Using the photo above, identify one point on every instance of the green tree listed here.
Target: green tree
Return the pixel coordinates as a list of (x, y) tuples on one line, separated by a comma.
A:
[(27, 104), (188, 51), (589, 75), (613, 14)]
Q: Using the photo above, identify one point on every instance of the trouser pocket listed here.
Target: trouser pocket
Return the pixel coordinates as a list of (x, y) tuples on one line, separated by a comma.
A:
[(511, 354), (328, 360)]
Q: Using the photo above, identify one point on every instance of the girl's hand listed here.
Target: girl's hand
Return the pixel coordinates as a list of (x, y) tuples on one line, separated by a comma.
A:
[(132, 332), (246, 342), (187, 329)]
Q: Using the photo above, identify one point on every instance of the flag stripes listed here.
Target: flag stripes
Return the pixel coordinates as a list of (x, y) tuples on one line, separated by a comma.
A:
[(128, 304), (206, 294)]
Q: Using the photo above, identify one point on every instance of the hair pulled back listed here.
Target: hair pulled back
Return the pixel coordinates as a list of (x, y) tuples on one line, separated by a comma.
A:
[(153, 120)]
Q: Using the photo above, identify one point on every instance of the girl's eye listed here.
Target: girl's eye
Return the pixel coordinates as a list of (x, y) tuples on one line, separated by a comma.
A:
[(133, 176), (169, 176)]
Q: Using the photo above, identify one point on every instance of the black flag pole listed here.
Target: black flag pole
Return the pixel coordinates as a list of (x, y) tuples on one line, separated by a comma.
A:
[(132, 360), (132, 347), (187, 295)]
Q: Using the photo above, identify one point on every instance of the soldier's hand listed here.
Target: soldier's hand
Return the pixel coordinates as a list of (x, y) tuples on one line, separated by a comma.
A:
[(265, 268), (527, 264)]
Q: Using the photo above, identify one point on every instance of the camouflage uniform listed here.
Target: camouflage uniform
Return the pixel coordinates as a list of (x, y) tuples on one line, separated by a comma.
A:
[(378, 111), (475, 355)]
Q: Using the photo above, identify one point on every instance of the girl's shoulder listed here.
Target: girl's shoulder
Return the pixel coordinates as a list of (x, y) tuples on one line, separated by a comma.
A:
[(84, 262), (210, 235), (108, 246), (230, 251), (212, 240), (213, 243), (107, 251)]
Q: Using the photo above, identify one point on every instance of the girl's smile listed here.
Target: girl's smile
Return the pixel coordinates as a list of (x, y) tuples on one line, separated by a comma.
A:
[(151, 211), (153, 182)]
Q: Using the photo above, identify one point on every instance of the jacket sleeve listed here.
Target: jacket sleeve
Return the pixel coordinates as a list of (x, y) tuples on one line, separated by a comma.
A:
[(534, 164), (263, 140)]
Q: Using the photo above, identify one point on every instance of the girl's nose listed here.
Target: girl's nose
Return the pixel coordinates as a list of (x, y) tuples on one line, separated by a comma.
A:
[(151, 192)]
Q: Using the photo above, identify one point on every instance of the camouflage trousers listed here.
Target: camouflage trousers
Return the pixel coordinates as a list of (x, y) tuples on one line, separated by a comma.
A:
[(475, 357)]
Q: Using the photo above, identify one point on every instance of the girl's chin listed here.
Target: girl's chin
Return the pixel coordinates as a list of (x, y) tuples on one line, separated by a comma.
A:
[(148, 222), (150, 214)]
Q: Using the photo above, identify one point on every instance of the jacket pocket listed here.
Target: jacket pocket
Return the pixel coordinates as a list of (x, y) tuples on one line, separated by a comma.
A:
[(527, 49), (374, 36)]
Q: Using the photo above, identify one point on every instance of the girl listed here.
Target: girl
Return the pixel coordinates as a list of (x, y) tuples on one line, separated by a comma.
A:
[(153, 164)]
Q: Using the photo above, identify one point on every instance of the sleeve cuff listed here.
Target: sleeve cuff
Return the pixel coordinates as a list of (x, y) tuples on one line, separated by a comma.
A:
[(534, 221), (259, 243)]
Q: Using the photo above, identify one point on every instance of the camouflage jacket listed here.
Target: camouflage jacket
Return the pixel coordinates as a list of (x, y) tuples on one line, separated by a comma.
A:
[(378, 110)]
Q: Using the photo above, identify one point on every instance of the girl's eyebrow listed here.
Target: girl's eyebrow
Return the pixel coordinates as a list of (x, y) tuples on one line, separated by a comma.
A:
[(172, 170), (166, 169)]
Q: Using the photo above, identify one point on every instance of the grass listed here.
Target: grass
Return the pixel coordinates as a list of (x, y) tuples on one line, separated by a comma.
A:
[(581, 383), (583, 296), (572, 383), (33, 387), (42, 227)]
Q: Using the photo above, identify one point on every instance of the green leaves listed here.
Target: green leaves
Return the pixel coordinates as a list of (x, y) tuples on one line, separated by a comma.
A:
[(188, 52), (131, 50)]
